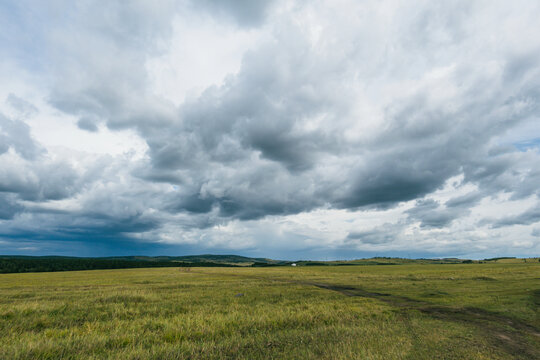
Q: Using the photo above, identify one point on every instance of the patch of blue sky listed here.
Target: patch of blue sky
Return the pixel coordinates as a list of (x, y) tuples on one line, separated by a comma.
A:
[(525, 145), (24, 28)]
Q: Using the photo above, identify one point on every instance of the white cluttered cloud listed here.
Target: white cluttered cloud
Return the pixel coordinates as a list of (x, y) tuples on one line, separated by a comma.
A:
[(270, 128)]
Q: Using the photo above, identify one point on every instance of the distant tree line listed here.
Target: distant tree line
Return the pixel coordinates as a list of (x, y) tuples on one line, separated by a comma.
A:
[(20, 265)]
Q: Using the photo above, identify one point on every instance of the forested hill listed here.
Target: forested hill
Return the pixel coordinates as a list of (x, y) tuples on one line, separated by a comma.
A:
[(17, 264)]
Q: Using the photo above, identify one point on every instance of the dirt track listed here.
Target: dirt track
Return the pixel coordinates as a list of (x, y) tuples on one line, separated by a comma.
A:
[(503, 332)]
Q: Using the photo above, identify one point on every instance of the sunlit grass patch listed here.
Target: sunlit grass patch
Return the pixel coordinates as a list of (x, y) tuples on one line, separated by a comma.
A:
[(362, 312)]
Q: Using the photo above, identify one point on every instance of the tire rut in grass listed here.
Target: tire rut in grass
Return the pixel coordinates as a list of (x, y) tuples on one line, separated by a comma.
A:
[(503, 332)]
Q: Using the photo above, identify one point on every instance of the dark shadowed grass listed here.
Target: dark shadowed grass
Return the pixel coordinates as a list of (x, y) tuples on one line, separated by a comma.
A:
[(477, 311)]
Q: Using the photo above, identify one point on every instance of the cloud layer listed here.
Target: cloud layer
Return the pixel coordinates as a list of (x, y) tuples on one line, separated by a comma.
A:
[(275, 128)]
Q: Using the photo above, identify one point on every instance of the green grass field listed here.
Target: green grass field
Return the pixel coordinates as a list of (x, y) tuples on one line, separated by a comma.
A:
[(476, 311)]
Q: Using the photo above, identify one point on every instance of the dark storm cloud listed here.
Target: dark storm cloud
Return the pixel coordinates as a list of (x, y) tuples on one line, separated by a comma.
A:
[(383, 234), (193, 203), (466, 200), (90, 224), (97, 228), (15, 134), (431, 214), (88, 124), (503, 171), (370, 237), (92, 241), (263, 190), (102, 226), (528, 217), (399, 175), (38, 181), (10, 207)]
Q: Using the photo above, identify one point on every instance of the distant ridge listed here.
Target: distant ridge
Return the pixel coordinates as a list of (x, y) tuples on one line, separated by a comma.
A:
[(233, 259), (22, 263)]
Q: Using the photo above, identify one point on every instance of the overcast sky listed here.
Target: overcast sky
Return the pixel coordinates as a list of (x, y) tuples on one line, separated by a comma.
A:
[(283, 129)]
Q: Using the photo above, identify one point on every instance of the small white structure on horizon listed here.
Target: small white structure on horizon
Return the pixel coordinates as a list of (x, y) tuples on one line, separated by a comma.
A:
[(293, 264)]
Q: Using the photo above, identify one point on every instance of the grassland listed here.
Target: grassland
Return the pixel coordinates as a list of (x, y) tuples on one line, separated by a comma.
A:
[(459, 311)]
